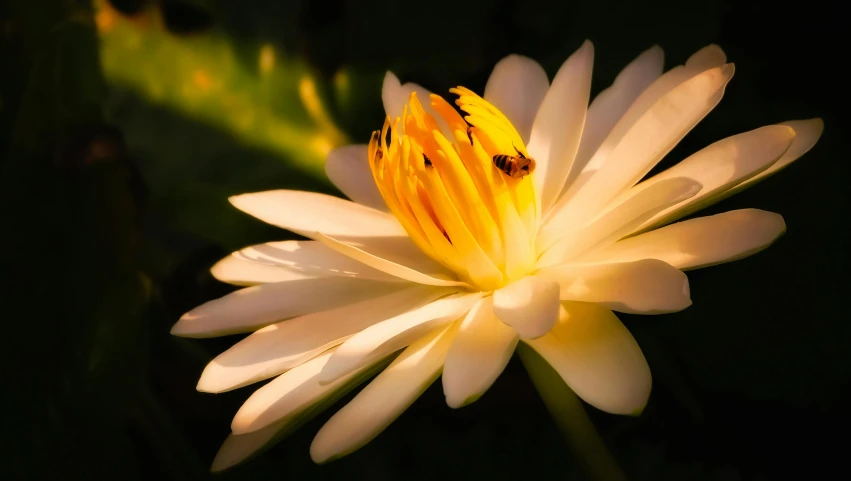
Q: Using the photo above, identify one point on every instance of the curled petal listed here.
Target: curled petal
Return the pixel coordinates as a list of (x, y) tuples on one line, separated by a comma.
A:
[(529, 306)]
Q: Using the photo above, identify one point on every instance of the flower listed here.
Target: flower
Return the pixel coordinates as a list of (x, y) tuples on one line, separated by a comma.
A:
[(450, 258)]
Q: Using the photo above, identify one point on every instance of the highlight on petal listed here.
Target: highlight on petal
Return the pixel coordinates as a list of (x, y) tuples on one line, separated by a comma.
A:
[(719, 167), (348, 169), (612, 103), (558, 125), (529, 306), (290, 260), (642, 146), (478, 355), (699, 242), (239, 271), (598, 358), (397, 256), (516, 87), (253, 307), (308, 212), (646, 286), (620, 220), (706, 58), (293, 394), (383, 399), (807, 133), (284, 345), (379, 340)]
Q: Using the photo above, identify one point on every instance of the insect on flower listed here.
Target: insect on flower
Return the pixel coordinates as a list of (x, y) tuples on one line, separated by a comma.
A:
[(457, 245)]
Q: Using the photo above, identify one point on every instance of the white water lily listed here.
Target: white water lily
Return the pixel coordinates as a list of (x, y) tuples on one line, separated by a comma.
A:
[(443, 258)]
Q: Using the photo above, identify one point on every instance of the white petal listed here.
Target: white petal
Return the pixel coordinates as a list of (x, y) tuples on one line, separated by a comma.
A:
[(397, 256), (384, 399), (620, 221), (248, 309), (284, 345), (384, 338), (558, 125), (516, 87), (348, 168), (611, 104), (290, 395), (529, 305), (719, 167), (646, 286), (481, 350), (308, 212), (700, 242), (598, 358), (807, 133), (706, 58), (289, 260), (650, 139), (239, 271)]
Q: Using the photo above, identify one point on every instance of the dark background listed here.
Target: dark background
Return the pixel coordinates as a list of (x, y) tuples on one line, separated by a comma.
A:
[(114, 207)]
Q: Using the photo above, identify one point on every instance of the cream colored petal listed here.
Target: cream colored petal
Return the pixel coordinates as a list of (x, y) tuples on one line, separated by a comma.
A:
[(348, 168), (516, 87), (529, 306), (558, 125), (253, 307), (719, 167), (650, 139), (384, 338), (598, 358), (700, 242), (706, 58), (239, 271), (807, 133), (397, 256), (308, 212), (646, 286), (290, 259), (620, 220), (612, 103), (290, 395), (284, 345), (481, 350), (238, 448), (384, 399)]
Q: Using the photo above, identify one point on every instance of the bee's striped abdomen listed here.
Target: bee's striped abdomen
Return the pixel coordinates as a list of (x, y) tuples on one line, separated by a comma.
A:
[(503, 163)]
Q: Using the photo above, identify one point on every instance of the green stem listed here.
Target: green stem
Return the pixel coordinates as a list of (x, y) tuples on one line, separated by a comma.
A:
[(570, 417)]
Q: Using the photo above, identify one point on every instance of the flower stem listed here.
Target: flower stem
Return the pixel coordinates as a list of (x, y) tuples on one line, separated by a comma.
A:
[(570, 417)]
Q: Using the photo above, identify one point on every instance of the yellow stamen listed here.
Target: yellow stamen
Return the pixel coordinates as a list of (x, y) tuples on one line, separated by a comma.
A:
[(438, 177)]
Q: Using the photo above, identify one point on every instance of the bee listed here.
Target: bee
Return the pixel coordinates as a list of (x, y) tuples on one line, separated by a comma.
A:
[(514, 166)]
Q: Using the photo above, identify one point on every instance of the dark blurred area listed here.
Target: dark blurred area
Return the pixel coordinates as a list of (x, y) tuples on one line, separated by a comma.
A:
[(126, 124)]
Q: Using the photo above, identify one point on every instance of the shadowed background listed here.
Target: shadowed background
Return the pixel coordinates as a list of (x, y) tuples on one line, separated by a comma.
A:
[(126, 124)]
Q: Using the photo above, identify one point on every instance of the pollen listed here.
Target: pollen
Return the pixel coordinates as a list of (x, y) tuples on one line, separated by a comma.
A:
[(435, 168)]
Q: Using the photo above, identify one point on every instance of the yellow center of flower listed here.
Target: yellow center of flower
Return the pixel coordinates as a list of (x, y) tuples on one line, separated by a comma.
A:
[(438, 175)]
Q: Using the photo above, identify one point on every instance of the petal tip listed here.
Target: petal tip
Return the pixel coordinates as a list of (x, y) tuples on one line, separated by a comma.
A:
[(182, 328)]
